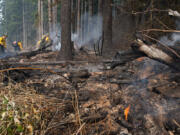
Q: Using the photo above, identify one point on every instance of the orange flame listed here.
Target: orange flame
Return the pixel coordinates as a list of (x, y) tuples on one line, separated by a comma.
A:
[(140, 59), (126, 112)]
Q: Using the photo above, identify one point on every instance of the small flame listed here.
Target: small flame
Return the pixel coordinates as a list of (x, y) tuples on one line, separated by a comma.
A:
[(126, 112), (140, 59)]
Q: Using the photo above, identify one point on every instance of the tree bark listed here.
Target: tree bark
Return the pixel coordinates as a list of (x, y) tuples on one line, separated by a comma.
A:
[(54, 15), (40, 19), (90, 16), (78, 17), (24, 27), (73, 14), (82, 22), (100, 7), (169, 56), (107, 26), (50, 15), (165, 55), (66, 45)]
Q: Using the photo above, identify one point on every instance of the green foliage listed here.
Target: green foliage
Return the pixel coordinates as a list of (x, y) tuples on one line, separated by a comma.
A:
[(17, 120)]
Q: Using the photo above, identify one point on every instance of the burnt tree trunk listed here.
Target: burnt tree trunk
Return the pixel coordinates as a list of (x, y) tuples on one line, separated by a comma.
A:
[(107, 26), (100, 7), (82, 21), (73, 12), (90, 16), (66, 48), (78, 17)]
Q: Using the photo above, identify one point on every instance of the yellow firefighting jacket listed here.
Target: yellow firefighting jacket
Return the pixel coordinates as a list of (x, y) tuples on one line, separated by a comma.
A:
[(20, 45), (45, 39), (3, 42)]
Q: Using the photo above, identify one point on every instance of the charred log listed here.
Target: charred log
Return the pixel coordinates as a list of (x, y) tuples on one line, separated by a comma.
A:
[(30, 54), (123, 57), (40, 50), (165, 55)]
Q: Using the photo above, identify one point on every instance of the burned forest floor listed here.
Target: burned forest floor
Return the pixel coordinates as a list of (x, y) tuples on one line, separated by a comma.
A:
[(43, 96)]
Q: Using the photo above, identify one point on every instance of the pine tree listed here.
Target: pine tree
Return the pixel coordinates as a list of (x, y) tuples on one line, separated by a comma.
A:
[(66, 48)]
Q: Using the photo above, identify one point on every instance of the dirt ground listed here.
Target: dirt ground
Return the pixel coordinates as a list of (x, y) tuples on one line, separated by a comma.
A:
[(84, 98)]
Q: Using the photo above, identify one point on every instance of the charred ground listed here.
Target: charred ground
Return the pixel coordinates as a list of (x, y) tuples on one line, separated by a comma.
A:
[(83, 97)]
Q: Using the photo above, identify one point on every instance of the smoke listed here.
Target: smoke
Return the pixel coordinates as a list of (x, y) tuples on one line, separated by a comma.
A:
[(56, 37), (7, 54), (172, 39), (90, 32), (146, 80)]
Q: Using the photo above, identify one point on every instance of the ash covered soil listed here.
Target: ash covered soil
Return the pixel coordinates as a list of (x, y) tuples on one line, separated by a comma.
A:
[(83, 97)]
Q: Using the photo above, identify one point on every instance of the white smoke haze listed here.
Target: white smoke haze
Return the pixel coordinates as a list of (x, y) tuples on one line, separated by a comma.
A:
[(92, 31), (89, 34), (173, 38), (56, 37)]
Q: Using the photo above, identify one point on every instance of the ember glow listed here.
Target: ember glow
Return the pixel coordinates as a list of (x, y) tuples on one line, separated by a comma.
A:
[(140, 59), (126, 112)]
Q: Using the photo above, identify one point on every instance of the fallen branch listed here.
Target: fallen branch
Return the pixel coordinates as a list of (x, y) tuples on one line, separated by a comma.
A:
[(79, 130), (158, 53), (27, 68), (173, 13), (163, 45), (177, 124), (32, 53), (160, 30)]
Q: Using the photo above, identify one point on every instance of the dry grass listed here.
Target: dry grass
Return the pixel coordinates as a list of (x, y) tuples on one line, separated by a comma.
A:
[(23, 111)]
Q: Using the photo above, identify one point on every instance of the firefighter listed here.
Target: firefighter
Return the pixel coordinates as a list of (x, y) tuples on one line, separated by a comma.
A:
[(20, 45), (3, 45), (44, 42), (17, 46)]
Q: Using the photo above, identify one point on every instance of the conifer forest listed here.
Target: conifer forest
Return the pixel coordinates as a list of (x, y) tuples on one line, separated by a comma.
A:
[(89, 67)]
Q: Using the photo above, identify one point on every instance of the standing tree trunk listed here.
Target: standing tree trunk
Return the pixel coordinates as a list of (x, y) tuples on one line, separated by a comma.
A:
[(40, 19), (90, 16), (24, 27), (85, 30), (54, 15), (73, 12), (78, 17), (107, 26), (82, 20), (50, 16), (100, 7), (75, 16), (66, 45)]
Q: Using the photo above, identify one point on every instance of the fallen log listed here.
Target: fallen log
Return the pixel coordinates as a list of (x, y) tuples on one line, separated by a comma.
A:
[(40, 50), (31, 53), (159, 53), (155, 52), (122, 57)]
